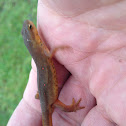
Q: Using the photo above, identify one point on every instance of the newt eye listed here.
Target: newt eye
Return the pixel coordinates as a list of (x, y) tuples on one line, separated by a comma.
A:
[(30, 26)]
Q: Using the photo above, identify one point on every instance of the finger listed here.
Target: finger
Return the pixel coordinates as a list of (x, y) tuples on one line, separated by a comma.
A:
[(25, 115), (76, 7), (114, 104), (108, 85), (95, 118), (28, 110)]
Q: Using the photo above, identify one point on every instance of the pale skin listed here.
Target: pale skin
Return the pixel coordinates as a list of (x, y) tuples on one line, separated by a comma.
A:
[(97, 63)]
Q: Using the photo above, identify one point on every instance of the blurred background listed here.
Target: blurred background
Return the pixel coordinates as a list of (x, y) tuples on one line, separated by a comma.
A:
[(15, 61)]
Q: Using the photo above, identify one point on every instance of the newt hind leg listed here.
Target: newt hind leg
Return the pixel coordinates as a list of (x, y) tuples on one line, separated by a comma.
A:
[(68, 108)]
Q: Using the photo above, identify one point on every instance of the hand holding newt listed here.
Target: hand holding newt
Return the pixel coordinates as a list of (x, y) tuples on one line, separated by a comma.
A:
[(86, 26), (46, 74)]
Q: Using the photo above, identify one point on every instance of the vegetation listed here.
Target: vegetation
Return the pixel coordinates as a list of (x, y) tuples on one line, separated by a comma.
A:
[(15, 61)]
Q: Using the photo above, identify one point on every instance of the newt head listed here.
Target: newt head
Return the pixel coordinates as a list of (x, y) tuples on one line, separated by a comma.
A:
[(30, 36)]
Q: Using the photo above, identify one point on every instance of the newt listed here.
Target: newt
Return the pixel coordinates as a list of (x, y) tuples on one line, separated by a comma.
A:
[(46, 74)]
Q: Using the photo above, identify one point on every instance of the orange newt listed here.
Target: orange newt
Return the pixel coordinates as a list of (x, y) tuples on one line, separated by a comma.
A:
[(46, 74)]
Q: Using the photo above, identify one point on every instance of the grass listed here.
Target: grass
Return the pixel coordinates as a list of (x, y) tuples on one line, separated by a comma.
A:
[(15, 61)]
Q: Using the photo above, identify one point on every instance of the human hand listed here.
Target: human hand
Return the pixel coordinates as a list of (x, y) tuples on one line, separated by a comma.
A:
[(96, 62)]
